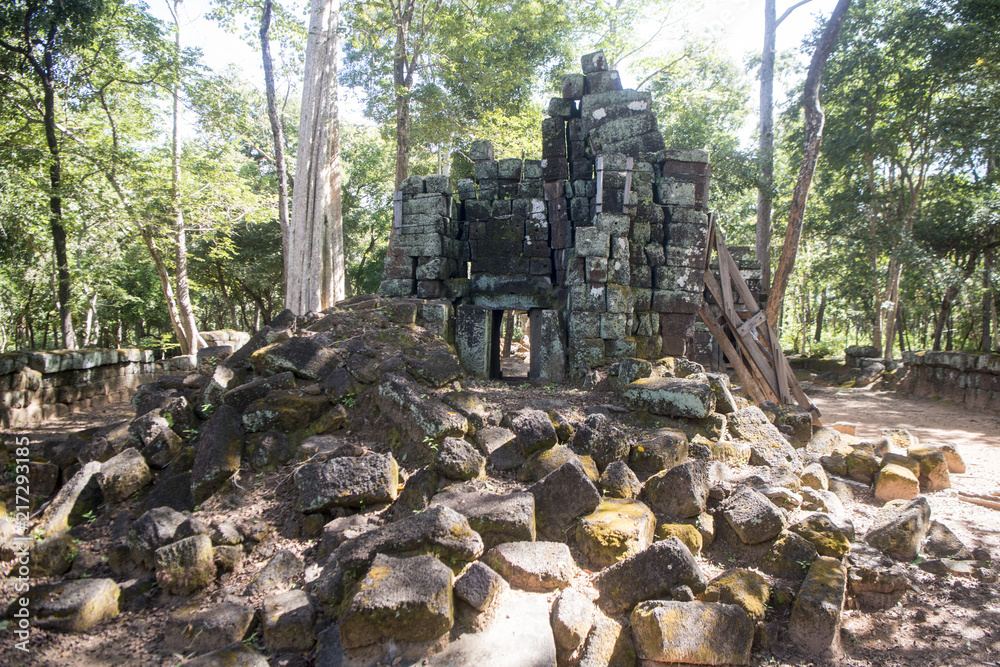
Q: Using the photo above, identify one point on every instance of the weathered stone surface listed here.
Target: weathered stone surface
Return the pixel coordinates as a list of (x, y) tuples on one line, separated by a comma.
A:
[(418, 417), (533, 429), (286, 411), (933, 467), (617, 529), (824, 533), (609, 644), (900, 530), (457, 459), (437, 369), (149, 532), (572, 618), (862, 466), (561, 497), (956, 464), (470, 405), (52, 556), (415, 497), (549, 460), (671, 397), (218, 452), (480, 586), (752, 516), (895, 482), (767, 446), (658, 450), (815, 623), (618, 481), (680, 492), (874, 580), (234, 655), (402, 599), (282, 570), (602, 440), (288, 619), (746, 589), (649, 574), (76, 605), (439, 530), (500, 445), (688, 534), (790, 557), (814, 477), (303, 356), (692, 632), (123, 475), (347, 481), (191, 631), (797, 421), (533, 566), (185, 566), (943, 543), (497, 518), (241, 396)]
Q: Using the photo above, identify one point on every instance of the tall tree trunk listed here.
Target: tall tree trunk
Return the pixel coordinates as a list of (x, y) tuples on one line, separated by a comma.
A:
[(889, 306), (946, 302), (508, 333), (315, 278), (276, 130), (191, 340), (764, 189), (814, 119), (818, 335), (402, 83)]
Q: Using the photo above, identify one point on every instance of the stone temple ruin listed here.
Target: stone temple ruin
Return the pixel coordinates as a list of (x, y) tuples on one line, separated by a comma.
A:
[(603, 241)]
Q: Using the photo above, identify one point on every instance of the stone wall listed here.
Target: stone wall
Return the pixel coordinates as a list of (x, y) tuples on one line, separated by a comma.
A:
[(39, 386), (969, 379), (605, 236)]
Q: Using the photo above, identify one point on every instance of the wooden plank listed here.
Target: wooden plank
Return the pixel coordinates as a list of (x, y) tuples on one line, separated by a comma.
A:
[(628, 183), (726, 281), (751, 347), (741, 286), (780, 370), (599, 200), (752, 323), (748, 379)]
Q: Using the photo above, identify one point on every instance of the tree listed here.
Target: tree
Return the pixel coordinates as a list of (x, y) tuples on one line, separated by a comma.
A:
[(39, 42), (314, 280), (814, 134), (433, 67)]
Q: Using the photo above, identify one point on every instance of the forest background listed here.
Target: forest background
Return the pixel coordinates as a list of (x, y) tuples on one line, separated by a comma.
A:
[(137, 183)]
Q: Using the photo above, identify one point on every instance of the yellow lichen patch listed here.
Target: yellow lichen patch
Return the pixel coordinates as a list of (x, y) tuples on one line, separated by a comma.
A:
[(689, 535), (617, 529), (746, 589)]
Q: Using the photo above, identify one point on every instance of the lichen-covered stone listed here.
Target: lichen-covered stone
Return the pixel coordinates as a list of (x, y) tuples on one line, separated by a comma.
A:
[(899, 530), (218, 452), (79, 495), (52, 556), (649, 574), (828, 538), (402, 599), (149, 532), (658, 450), (123, 475), (951, 454), (76, 605), (234, 655), (671, 397), (561, 497), (895, 482), (497, 518), (862, 466), (301, 355), (609, 644), (189, 630), (685, 532), (480, 586), (534, 430), (814, 477), (933, 467), (815, 623), (281, 571), (680, 492), (618, 481), (185, 566), (540, 464), (457, 459), (790, 557), (417, 416), (572, 618), (746, 589), (438, 530), (533, 566), (767, 446), (500, 445), (692, 632), (347, 481), (617, 529), (753, 517), (285, 410), (288, 619)]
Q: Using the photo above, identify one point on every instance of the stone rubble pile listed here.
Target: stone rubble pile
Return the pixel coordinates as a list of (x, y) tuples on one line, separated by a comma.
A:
[(416, 538)]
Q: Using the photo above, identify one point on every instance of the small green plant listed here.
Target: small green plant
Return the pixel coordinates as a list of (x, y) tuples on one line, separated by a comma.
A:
[(89, 517), (349, 400), (207, 408)]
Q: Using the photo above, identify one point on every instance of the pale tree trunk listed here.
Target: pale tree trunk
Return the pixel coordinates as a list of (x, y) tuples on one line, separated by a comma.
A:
[(192, 340), (276, 130), (402, 80), (947, 299), (766, 140), (315, 276), (814, 134), (989, 313), (888, 306)]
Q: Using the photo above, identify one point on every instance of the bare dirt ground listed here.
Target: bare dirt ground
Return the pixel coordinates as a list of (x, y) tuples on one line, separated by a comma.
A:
[(944, 621)]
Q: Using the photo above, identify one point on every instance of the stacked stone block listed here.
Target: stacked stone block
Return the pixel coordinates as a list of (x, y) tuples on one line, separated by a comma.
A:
[(424, 250)]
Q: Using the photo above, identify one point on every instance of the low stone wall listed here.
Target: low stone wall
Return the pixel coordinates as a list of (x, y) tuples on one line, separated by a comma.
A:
[(970, 379), (38, 386)]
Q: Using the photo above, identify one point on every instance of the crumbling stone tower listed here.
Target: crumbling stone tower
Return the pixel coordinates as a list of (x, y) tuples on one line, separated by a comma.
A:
[(603, 241)]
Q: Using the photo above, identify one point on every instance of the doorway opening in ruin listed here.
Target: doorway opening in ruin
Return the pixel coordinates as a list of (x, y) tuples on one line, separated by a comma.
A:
[(510, 345)]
